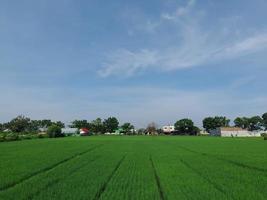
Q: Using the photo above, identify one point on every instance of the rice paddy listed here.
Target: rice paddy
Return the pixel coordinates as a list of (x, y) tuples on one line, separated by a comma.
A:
[(134, 167)]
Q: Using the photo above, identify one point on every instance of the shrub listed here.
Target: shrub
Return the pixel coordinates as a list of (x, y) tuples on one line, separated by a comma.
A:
[(25, 137), (42, 135), (264, 135), (12, 137), (54, 131), (2, 137)]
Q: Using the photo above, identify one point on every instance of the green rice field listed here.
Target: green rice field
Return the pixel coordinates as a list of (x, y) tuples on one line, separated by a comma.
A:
[(134, 167)]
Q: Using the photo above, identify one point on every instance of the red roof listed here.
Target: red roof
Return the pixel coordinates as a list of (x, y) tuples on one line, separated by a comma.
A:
[(84, 130)]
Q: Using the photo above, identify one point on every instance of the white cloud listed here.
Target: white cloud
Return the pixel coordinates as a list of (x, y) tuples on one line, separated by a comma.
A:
[(193, 45), (126, 62), (247, 45), (192, 53)]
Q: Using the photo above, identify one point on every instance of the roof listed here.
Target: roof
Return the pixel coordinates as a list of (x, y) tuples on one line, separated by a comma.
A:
[(84, 130), (232, 129)]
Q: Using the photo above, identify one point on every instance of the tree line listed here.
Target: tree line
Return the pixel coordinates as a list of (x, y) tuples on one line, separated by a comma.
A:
[(99, 126), (253, 123), (22, 124)]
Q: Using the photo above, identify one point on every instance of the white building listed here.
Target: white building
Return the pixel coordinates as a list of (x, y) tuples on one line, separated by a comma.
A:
[(168, 129), (69, 131), (234, 132)]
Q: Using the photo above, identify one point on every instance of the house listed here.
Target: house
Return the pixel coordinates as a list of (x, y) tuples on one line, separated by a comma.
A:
[(84, 131), (168, 129), (234, 132), (70, 131)]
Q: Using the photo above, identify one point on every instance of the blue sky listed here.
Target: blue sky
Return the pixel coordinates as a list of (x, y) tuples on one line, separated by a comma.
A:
[(140, 61)]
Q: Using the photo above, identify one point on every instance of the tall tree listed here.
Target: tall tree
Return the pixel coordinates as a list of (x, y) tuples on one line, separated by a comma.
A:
[(97, 126), (242, 122), (220, 121), (80, 124), (264, 120), (111, 124), (45, 123), (185, 127), (19, 124), (151, 128), (211, 123), (208, 123), (128, 128), (255, 123), (54, 131), (59, 124)]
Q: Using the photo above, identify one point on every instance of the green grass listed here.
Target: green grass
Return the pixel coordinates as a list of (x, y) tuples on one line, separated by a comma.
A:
[(134, 167)]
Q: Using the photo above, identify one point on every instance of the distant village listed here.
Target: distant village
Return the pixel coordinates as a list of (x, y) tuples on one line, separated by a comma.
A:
[(170, 130), (23, 127)]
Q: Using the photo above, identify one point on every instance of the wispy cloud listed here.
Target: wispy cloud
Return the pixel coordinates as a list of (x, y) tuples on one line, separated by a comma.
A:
[(193, 46), (127, 62), (180, 11)]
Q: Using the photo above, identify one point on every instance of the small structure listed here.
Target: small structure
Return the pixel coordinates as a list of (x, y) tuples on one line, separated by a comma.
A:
[(118, 131), (84, 131), (203, 132), (168, 129), (42, 130), (70, 131), (234, 132)]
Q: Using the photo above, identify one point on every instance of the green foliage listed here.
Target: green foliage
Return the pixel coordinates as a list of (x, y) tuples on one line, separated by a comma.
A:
[(26, 137), (80, 124), (264, 135), (11, 137), (186, 127), (211, 123), (19, 124), (54, 131), (2, 137), (59, 124), (97, 126), (42, 135), (128, 128), (24, 125), (264, 120), (141, 131), (242, 122), (111, 124), (45, 123), (255, 123)]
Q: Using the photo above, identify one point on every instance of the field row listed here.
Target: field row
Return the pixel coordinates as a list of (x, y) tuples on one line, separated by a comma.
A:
[(138, 168)]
